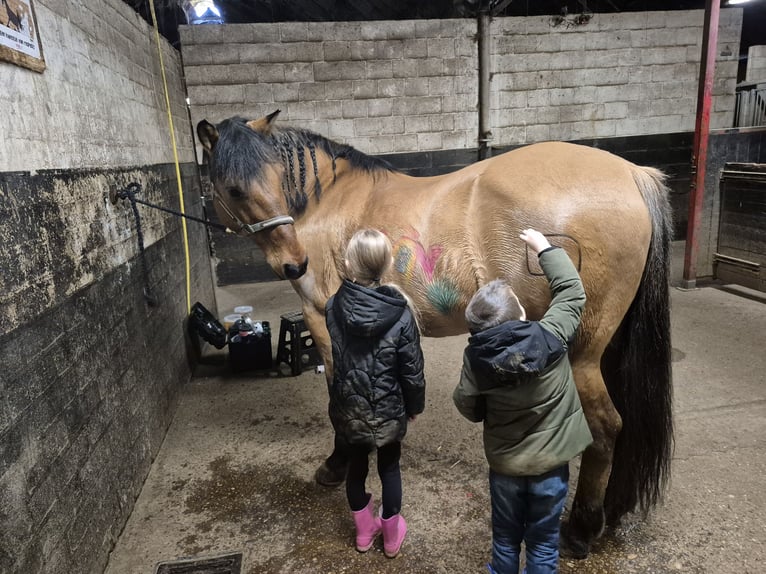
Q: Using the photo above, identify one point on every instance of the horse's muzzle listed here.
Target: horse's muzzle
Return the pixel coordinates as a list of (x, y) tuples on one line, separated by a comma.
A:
[(295, 271)]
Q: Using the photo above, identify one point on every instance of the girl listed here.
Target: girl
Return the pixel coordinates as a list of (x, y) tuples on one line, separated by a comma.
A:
[(377, 384)]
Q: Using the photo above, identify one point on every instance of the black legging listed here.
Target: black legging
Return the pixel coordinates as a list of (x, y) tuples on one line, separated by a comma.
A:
[(388, 470)]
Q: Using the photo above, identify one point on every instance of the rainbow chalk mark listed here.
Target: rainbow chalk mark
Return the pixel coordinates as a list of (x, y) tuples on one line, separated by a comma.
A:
[(410, 255), (404, 261)]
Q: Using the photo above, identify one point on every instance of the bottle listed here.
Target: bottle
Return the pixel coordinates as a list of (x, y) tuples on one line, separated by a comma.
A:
[(244, 312)]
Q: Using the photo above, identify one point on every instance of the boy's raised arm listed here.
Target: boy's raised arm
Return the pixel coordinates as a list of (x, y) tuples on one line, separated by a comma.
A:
[(567, 293)]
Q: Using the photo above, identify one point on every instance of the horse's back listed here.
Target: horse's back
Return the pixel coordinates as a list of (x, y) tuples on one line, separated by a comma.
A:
[(555, 168), (557, 184), (563, 189)]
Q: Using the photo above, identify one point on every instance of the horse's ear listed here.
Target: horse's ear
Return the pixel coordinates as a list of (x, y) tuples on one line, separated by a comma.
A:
[(264, 125), (207, 134)]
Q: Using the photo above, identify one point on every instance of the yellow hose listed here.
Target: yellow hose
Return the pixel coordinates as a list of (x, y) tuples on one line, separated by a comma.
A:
[(175, 156)]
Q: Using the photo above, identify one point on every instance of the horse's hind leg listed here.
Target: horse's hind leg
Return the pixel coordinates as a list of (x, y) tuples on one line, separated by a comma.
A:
[(586, 519)]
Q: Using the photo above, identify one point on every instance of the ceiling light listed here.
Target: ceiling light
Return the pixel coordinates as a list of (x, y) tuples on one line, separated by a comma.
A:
[(202, 12)]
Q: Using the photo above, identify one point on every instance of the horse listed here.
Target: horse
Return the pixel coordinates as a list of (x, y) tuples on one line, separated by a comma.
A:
[(14, 20), (301, 197)]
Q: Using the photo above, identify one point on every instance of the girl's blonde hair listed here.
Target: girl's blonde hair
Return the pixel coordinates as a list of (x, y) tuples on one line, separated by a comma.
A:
[(368, 257)]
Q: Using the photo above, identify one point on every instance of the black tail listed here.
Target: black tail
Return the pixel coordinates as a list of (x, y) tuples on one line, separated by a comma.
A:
[(637, 370)]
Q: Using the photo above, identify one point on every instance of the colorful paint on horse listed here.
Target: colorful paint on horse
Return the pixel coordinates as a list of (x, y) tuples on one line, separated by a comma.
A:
[(443, 295), (417, 266), (616, 212)]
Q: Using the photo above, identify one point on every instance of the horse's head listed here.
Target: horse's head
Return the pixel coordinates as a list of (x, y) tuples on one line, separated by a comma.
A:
[(247, 175)]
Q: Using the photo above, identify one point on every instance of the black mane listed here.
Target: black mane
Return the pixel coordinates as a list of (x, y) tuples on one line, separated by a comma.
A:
[(241, 153)]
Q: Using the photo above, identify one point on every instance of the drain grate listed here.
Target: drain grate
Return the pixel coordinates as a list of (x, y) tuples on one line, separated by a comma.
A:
[(224, 564)]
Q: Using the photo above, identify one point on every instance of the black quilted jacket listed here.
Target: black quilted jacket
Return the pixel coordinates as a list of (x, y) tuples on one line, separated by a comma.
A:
[(377, 365)]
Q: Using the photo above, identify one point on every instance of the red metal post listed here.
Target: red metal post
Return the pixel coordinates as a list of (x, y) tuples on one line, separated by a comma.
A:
[(701, 132)]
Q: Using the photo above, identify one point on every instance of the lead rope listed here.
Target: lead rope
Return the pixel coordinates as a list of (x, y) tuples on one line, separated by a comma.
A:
[(129, 193), (136, 187)]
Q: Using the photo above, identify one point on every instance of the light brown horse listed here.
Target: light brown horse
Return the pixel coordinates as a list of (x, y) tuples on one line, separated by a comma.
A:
[(454, 233)]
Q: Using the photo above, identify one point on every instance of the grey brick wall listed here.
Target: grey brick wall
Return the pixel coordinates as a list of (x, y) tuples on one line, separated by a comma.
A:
[(383, 87), (626, 74), (100, 100), (90, 371), (411, 86), (756, 64)]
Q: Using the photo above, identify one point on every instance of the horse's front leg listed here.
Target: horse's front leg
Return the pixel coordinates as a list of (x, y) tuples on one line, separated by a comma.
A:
[(315, 322), (332, 472), (586, 519)]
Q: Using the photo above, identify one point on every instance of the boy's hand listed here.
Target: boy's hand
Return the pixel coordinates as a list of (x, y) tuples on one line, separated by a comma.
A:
[(535, 240)]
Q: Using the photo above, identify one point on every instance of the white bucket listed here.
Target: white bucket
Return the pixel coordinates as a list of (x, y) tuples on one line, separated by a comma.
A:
[(229, 320)]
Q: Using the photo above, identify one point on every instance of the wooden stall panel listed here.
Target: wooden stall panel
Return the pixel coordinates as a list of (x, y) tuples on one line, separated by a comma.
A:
[(741, 255)]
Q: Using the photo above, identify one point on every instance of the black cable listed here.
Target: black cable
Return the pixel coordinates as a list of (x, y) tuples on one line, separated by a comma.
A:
[(124, 193)]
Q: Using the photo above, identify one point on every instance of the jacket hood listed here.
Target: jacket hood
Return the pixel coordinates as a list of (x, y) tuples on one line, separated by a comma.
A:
[(513, 351), (366, 311)]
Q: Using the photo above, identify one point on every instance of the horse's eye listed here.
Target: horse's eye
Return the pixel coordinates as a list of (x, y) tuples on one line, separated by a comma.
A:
[(235, 192)]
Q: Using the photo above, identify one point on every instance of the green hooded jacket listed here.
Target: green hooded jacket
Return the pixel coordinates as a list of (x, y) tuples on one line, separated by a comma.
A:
[(517, 379)]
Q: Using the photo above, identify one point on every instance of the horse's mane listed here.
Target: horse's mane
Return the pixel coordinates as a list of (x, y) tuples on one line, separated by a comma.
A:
[(241, 153)]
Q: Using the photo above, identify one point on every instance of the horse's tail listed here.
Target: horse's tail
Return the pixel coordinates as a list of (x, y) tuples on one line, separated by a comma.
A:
[(637, 369)]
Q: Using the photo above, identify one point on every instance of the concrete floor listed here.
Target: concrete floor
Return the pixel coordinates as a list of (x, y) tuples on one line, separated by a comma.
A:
[(235, 473)]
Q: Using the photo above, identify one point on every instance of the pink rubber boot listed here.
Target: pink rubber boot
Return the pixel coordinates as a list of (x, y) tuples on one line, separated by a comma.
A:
[(394, 529), (367, 526)]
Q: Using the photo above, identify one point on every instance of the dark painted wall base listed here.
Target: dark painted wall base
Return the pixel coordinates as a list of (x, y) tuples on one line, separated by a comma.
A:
[(88, 390)]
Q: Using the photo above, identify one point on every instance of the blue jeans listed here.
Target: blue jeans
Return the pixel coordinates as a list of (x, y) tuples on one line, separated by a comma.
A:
[(527, 508)]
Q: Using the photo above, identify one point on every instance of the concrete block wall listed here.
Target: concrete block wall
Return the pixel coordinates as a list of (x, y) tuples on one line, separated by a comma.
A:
[(756, 64), (628, 74), (90, 371), (100, 101), (394, 87), (383, 87)]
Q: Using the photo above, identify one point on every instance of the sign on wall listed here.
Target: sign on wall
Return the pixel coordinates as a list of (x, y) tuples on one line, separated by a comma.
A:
[(19, 39)]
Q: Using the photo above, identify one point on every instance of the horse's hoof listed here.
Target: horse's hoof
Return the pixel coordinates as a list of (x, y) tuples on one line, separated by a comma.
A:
[(572, 548), (327, 476)]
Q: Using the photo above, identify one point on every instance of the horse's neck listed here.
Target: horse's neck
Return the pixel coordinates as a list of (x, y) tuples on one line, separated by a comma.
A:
[(337, 181)]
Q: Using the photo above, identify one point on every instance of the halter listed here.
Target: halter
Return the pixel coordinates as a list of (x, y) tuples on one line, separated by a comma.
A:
[(252, 228)]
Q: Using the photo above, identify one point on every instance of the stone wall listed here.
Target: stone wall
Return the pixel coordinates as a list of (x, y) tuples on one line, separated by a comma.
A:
[(100, 101), (382, 87), (756, 64), (634, 73), (393, 87), (90, 370)]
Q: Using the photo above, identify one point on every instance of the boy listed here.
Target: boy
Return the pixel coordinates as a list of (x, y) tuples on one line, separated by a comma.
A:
[(517, 379)]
